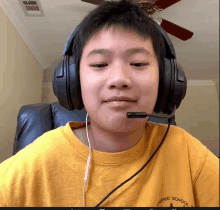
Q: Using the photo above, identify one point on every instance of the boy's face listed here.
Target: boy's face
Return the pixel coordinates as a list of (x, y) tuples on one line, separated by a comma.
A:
[(118, 76)]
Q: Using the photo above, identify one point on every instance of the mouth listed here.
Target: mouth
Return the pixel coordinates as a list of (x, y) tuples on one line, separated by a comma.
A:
[(120, 104), (120, 100)]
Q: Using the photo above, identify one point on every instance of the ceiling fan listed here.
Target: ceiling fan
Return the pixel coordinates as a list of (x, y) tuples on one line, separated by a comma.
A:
[(151, 6)]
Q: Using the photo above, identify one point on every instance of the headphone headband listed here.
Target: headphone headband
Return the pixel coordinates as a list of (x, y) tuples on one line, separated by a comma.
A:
[(69, 43), (169, 46)]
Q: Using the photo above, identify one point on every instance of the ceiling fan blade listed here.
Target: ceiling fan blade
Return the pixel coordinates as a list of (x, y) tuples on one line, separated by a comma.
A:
[(176, 30), (96, 2), (163, 4)]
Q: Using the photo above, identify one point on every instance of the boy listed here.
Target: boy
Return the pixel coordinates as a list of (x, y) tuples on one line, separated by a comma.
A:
[(125, 59)]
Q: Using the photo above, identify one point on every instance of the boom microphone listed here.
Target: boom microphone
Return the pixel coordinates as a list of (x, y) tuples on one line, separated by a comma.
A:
[(144, 114)]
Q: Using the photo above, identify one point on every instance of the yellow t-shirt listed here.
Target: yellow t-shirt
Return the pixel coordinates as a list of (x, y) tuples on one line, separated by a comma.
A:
[(50, 172)]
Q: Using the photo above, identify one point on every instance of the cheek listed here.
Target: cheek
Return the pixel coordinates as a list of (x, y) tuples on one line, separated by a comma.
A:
[(149, 81), (90, 85), (148, 86)]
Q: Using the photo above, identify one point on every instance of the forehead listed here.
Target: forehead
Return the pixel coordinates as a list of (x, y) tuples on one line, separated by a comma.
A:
[(118, 38), (117, 32)]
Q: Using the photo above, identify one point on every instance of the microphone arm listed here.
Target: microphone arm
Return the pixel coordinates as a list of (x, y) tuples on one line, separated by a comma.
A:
[(144, 114)]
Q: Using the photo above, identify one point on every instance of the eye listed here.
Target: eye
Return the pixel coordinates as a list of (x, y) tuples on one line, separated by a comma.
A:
[(98, 65), (142, 64)]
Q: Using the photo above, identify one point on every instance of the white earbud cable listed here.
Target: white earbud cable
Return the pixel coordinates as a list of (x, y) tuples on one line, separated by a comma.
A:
[(88, 163)]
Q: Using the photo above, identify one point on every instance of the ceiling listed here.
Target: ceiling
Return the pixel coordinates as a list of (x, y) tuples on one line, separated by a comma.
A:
[(46, 35)]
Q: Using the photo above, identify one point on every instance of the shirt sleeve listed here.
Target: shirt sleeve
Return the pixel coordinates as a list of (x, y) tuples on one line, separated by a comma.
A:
[(207, 183)]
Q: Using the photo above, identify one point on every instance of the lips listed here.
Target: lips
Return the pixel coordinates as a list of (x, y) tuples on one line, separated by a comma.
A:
[(120, 101), (120, 98), (120, 105)]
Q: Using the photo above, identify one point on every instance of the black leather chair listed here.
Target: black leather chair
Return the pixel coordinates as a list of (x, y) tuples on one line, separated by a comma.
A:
[(35, 119)]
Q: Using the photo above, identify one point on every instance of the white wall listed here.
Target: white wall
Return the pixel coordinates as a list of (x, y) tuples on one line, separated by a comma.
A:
[(198, 114), (20, 82)]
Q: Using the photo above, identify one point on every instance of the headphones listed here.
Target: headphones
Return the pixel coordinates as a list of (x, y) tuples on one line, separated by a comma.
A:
[(172, 86)]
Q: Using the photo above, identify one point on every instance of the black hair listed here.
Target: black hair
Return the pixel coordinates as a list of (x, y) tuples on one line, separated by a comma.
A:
[(123, 13)]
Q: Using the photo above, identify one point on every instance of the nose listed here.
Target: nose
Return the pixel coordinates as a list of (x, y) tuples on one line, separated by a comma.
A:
[(120, 77)]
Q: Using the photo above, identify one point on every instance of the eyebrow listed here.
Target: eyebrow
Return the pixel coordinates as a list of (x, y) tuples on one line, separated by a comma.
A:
[(129, 51)]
